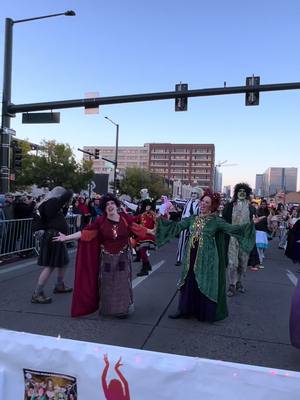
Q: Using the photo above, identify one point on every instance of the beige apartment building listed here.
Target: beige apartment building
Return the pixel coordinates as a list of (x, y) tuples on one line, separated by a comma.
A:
[(128, 156)]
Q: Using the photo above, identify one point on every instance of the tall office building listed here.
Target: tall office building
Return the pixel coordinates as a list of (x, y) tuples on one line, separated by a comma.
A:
[(279, 180), (258, 191), (227, 191), (188, 163), (218, 178)]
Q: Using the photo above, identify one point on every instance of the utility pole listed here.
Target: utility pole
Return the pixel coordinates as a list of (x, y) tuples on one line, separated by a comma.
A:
[(6, 96)]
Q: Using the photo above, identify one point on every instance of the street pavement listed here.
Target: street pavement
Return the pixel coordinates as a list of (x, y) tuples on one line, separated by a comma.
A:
[(256, 331)]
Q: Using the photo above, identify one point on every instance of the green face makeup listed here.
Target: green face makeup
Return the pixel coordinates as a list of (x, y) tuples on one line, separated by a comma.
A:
[(241, 194)]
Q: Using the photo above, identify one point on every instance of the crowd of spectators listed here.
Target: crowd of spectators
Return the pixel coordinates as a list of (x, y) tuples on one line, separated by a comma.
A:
[(20, 206)]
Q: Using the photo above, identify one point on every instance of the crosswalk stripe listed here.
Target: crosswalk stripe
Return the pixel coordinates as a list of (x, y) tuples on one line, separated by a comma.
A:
[(292, 277), (140, 279)]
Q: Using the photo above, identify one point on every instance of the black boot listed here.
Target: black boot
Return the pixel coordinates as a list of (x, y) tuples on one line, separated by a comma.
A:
[(144, 270), (149, 266)]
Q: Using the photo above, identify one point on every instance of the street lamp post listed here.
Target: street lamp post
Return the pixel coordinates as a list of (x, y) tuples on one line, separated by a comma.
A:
[(116, 155), (6, 96)]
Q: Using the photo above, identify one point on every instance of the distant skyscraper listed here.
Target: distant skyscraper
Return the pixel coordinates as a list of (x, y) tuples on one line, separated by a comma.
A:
[(227, 191), (258, 191), (279, 180), (218, 180)]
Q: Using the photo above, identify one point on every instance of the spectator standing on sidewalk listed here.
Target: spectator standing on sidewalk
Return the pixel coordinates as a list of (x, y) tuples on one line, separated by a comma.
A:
[(8, 209), (52, 255)]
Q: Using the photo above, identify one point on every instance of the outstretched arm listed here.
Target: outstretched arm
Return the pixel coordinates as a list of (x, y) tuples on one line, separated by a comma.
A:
[(66, 238), (122, 378), (104, 375), (167, 230)]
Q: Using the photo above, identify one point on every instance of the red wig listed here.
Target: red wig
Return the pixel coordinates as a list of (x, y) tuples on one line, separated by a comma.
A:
[(215, 199)]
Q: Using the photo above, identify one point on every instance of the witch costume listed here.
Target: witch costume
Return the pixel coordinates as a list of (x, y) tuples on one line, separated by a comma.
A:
[(202, 284), (147, 219), (103, 267)]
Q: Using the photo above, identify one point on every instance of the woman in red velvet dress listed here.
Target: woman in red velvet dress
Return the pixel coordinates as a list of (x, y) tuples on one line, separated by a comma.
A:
[(103, 262)]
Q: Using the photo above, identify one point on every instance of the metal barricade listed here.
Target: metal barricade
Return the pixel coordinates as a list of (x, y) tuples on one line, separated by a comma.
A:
[(17, 237)]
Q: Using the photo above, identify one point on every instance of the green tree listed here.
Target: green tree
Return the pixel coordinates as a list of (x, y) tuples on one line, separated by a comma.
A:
[(136, 179), (53, 165)]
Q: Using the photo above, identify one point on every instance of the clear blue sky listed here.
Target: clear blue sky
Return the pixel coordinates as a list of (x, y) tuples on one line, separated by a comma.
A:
[(123, 47)]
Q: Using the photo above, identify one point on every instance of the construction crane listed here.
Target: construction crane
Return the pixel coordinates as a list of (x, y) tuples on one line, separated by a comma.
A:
[(221, 164)]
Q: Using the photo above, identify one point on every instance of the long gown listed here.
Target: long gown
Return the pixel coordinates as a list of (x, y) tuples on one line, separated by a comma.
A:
[(203, 282), (103, 267)]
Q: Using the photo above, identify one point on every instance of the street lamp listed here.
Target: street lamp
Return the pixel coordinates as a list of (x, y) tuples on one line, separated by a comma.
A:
[(116, 155), (6, 95)]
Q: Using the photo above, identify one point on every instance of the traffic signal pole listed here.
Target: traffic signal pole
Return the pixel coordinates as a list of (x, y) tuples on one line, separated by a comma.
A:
[(134, 98), (6, 101), (9, 109)]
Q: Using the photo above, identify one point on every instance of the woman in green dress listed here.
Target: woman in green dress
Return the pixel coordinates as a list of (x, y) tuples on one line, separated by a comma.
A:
[(203, 281)]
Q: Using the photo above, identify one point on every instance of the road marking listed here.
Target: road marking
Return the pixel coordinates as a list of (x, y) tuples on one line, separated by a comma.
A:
[(16, 267), (140, 279), (24, 265), (292, 277)]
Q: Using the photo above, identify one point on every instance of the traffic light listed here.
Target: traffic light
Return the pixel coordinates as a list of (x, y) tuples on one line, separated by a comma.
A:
[(97, 151), (17, 157), (252, 98), (181, 103)]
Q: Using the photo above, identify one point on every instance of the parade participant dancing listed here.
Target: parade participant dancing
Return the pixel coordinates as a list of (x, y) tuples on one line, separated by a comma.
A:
[(52, 255), (239, 211), (190, 208), (104, 261), (147, 218), (203, 283)]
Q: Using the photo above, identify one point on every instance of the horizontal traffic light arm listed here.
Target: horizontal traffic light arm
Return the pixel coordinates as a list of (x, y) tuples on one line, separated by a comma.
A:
[(106, 159), (86, 152), (134, 98)]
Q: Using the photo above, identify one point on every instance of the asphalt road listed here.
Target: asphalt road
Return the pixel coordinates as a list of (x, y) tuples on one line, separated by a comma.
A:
[(256, 331)]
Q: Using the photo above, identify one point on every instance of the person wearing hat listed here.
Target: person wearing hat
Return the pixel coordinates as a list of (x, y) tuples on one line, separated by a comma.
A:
[(52, 255), (146, 218), (191, 208), (103, 271), (8, 209)]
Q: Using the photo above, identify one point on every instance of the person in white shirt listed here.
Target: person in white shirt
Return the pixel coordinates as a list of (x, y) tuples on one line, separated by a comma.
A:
[(191, 208)]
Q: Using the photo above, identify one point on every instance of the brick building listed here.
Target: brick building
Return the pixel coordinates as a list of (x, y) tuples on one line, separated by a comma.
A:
[(189, 163)]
